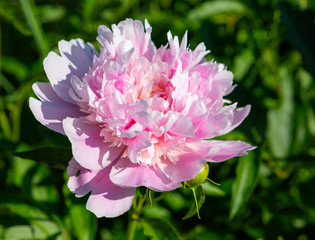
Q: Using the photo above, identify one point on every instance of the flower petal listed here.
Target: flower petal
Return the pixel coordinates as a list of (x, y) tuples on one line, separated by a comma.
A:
[(88, 147), (78, 60), (224, 150), (88, 48), (106, 199), (45, 92), (188, 163), (239, 115), (141, 41), (51, 114), (183, 127), (138, 144), (58, 73), (80, 179), (127, 174)]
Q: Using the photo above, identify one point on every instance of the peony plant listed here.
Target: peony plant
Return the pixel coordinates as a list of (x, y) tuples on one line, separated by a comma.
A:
[(136, 115)]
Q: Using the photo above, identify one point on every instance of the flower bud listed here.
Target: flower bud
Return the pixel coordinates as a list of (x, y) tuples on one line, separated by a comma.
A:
[(199, 179)]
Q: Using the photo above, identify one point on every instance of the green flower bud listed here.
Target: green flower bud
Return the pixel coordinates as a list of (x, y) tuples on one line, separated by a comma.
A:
[(199, 179)]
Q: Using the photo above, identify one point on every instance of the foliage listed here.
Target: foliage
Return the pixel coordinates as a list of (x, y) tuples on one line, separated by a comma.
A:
[(268, 194)]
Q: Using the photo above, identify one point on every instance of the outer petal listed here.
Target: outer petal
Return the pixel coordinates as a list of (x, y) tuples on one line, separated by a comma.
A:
[(88, 148), (127, 174), (106, 199), (58, 73), (51, 114), (81, 179), (229, 118), (45, 92), (239, 115), (224, 150), (76, 57), (188, 163), (223, 78), (74, 60), (88, 48)]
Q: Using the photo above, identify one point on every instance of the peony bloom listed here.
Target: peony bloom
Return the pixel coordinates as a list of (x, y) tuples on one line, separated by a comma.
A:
[(136, 115)]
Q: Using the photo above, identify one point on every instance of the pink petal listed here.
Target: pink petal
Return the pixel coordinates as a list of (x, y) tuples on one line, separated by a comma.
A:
[(214, 126), (106, 199), (88, 48), (224, 79), (79, 91), (127, 174), (76, 57), (104, 35), (58, 73), (225, 121), (239, 115), (183, 127), (224, 150), (88, 147), (188, 164), (198, 111), (141, 41), (80, 179), (45, 92), (51, 114), (138, 144), (199, 53)]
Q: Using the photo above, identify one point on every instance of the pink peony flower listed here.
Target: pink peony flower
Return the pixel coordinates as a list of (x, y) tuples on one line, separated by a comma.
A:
[(136, 115)]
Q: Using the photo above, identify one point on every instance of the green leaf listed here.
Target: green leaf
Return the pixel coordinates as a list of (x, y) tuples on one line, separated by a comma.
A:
[(245, 182), (40, 224), (299, 25), (56, 157), (51, 13), (299, 140), (199, 195), (213, 190), (310, 113), (15, 67), (156, 211), (11, 12), (83, 222), (280, 120), (213, 8), (18, 232), (90, 6), (35, 185), (30, 12), (159, 229), (175, 201), (242, 63)]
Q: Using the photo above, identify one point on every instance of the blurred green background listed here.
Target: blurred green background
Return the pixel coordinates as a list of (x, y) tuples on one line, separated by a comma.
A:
[(270, 47)]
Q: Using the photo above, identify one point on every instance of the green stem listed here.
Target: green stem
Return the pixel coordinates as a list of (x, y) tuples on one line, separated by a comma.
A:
[(161, 196), (139, 203), (4, 121), (132, 225), (196, 202)]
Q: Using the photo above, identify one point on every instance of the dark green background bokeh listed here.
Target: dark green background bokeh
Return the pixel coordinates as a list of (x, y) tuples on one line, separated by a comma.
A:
[(268, 45)]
